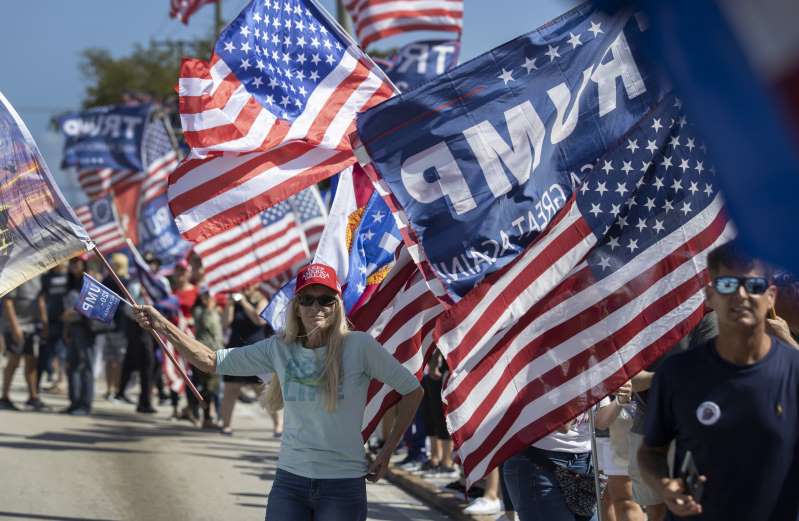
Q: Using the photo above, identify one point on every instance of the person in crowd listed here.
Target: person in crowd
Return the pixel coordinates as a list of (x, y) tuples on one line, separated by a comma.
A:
[(25, 324), (208, 331), (79, 338), (440, 464), (242, 317), (730, 405), (649, 497), (324, 371), (613, 461), (185, 291), (415, 441), (54, 289), (113, 337), (140, 350), (531, 476)]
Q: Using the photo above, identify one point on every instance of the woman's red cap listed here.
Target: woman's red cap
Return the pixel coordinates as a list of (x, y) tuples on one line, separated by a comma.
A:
[(317, 274)]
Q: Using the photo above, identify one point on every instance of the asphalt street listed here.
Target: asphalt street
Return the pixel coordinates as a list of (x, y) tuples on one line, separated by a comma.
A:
[(117, 465)]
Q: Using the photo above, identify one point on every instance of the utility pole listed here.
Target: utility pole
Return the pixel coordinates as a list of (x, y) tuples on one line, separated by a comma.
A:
[(218, 23)]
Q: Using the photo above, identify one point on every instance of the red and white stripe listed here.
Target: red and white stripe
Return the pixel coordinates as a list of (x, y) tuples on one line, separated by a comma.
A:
[(378, 19), (100, 182), (244, 159), (401, 316), (558, 350), (157, 179), (250, 253), (184, 9), (107, 238)]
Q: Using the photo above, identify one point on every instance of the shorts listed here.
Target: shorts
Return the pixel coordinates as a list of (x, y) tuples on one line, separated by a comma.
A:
[(607, 461), (643, 494), (113, 346), (29, 347), (613, 451), (433, 409)]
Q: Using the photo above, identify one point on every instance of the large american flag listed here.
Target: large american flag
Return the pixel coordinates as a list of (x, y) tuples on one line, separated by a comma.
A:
[(378, 19), (312, 214), (269, 115), (401, 315), (616, 279), (102, 181), (160, 157), (100, 220), (256, 250), (184, 9)]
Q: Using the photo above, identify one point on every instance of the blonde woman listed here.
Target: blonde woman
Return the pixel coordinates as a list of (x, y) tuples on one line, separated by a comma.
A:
[(324, 371)]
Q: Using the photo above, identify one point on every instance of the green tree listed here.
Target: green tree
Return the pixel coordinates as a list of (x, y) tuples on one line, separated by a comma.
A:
[(150, 70)]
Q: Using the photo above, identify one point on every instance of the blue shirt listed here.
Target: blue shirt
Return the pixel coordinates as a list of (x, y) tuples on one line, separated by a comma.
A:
[(316, 443), (741, 424)]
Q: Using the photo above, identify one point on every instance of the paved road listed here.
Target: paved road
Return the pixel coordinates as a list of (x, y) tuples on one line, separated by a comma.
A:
[(116, 465)]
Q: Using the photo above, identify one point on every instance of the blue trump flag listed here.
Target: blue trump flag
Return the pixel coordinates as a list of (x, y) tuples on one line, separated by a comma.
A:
[(96, 301), (479, 160), (419, 62), (104, 137)]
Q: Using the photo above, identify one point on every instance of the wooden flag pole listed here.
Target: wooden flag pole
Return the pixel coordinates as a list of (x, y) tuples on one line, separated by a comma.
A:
[(157, 337)]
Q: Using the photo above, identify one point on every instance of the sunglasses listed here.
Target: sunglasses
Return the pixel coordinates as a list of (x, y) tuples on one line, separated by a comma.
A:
[(729, 285), (324, 301)]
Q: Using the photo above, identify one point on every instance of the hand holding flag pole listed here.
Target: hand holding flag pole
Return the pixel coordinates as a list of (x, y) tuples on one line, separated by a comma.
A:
[(152, 331)]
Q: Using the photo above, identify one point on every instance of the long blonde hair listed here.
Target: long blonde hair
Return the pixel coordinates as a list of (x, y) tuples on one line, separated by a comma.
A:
[(331, 372)]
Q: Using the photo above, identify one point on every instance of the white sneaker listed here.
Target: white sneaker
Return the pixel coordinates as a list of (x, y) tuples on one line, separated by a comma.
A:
[(484, 506)]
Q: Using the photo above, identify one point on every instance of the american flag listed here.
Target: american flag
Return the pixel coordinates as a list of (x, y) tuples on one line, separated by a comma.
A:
[(100, 220), (160, 157), (312, 213), (157, 288), (378, 19), (615, 280), (401, 316), (100, 182), (256, 250), (184, 9), (269, 115)]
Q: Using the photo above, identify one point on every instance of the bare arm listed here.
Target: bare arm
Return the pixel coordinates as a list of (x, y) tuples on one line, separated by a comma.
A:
[(406, 410), (642, 381), (655, 471), (199, 355), (11, 316), (43, 314), (252, 312)]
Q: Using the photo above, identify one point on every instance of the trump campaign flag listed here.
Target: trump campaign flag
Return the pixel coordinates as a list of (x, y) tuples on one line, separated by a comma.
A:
[(615, 280), (96, 301), (269, 115), (105, 137), (38, 229), (737, 64), (481, 159), (419, 62)]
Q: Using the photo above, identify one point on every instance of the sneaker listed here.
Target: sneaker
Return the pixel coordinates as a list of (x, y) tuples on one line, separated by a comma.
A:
[(427, 466), (484, 507), (8, 405), (448, 472), (410, 465), (36, 404), (122, 398), (80, 411)]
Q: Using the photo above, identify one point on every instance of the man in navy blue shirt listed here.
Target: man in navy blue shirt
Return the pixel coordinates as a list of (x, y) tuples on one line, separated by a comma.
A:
[(733, 403)]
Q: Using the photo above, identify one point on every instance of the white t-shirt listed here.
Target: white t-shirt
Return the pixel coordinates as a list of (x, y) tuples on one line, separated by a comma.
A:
[(576, 440)]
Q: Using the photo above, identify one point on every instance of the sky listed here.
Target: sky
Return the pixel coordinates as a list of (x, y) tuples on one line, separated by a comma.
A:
[(42, 41)]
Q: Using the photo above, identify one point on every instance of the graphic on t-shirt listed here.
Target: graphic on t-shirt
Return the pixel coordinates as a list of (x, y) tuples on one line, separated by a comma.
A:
[(708, 413), (303, 378)]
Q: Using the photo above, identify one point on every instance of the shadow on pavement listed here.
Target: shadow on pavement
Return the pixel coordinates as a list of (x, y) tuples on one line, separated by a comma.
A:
[(20, 515)]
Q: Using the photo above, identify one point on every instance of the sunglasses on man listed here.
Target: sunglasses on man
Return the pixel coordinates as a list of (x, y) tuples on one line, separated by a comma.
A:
[(324, 301), (728, 285)]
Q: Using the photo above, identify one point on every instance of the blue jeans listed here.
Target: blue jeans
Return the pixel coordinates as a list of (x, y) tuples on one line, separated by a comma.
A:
[(80, 360), (415, 438), (297, 498), (533, 490)]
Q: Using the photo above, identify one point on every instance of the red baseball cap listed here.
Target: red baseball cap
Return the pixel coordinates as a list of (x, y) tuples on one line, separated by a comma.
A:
[(317, 274)]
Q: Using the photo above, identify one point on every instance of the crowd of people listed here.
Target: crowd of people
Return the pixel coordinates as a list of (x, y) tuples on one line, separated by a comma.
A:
[(666, 445), (61, 351)]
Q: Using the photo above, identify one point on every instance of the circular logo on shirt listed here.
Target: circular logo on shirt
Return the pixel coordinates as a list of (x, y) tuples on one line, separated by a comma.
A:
[(708, 413)]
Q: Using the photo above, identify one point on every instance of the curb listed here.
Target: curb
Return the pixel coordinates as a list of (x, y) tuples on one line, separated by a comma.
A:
[(450, 503)]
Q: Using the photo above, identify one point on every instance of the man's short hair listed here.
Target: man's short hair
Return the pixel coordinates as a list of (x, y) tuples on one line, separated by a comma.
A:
[(733, 256)]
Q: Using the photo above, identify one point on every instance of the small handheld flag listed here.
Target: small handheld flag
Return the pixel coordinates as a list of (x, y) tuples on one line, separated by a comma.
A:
[(96, 301)]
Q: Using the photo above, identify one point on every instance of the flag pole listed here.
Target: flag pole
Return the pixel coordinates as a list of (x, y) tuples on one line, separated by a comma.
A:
[(158, 338), (595, 464)]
